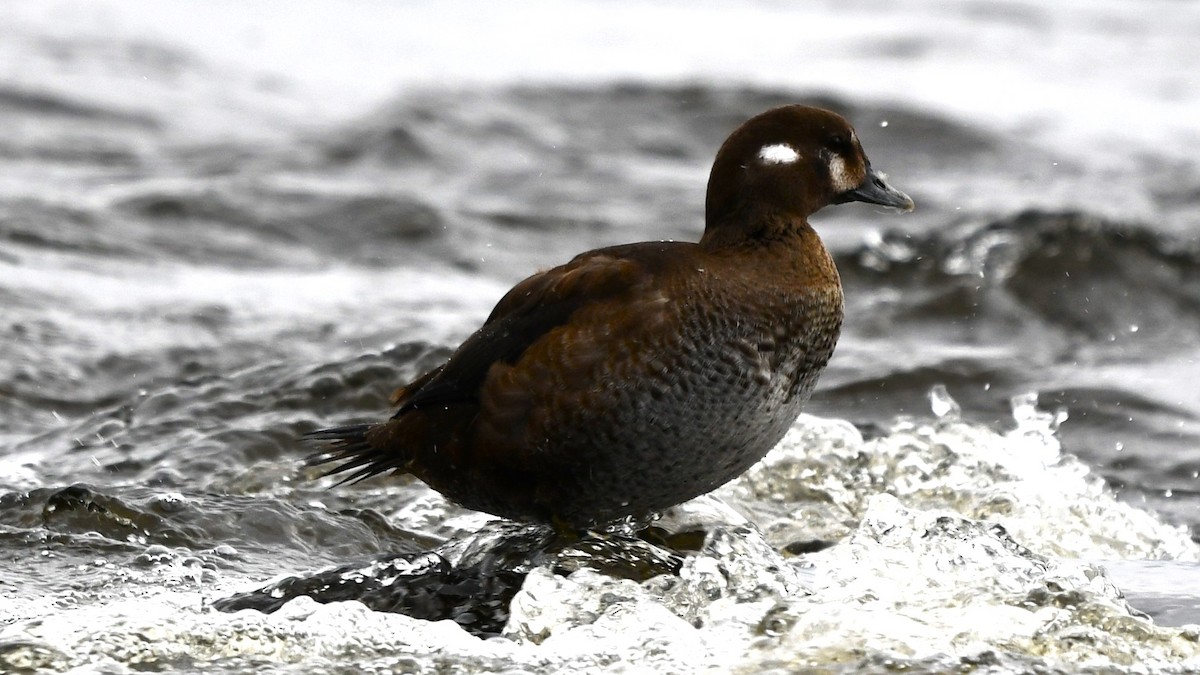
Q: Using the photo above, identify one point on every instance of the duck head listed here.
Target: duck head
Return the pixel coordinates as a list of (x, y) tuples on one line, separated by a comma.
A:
[(793, 161)]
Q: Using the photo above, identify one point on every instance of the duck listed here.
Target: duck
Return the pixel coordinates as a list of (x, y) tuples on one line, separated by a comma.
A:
[(636, 377)]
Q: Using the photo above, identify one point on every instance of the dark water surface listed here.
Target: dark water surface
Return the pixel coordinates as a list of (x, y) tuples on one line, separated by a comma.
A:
[(197, 271)]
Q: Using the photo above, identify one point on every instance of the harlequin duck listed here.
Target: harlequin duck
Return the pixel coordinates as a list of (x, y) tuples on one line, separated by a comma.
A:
[(636, 377)]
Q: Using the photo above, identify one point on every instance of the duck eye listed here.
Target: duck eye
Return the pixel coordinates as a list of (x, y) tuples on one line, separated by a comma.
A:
[(840, 143)]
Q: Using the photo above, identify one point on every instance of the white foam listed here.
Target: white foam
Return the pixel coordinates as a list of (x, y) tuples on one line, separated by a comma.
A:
[(1049, 501), (920, 574)]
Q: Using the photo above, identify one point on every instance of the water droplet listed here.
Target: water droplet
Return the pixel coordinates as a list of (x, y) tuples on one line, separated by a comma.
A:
[(1029, 417), (943, 405)]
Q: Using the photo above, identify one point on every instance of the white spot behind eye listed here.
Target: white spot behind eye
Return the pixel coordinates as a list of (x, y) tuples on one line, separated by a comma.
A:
[(778, 153)]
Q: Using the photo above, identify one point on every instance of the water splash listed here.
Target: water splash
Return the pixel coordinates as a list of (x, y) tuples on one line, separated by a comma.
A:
[(1031, 419), (936, 545), (943, 405)]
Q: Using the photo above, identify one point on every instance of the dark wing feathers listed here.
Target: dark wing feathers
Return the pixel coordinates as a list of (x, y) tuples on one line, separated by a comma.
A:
[(524, 315), (530, 310), (504, 339)]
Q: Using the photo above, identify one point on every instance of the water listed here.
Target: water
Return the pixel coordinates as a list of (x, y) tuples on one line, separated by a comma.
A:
[(222, 225)]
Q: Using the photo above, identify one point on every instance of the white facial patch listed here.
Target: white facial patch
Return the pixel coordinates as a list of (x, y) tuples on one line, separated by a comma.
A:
[(842, 182), (778, 153)]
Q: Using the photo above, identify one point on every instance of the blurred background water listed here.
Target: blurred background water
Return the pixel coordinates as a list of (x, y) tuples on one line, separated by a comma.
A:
[(222, 224)]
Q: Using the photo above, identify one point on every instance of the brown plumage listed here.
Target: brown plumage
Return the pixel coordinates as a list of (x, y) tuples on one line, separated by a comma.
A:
[(636, 377)]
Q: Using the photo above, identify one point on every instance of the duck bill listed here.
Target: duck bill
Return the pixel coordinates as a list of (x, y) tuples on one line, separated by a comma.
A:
[(875, 190)]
